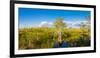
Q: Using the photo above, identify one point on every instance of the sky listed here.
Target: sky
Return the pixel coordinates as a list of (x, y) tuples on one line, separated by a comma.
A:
[(32, 17)]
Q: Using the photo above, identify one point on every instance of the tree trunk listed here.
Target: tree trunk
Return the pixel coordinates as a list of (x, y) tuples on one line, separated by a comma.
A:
[(59, 35)]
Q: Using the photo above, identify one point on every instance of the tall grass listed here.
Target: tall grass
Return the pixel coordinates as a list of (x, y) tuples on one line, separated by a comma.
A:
[(37, 38)]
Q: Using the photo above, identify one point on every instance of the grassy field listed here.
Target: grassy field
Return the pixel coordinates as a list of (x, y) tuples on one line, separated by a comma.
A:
[(43, 37)]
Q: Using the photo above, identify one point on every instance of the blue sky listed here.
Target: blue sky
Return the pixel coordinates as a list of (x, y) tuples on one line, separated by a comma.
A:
[(32, 17)]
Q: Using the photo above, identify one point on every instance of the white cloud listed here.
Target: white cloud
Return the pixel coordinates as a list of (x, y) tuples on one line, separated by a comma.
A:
[(45, 24), (74, 24)]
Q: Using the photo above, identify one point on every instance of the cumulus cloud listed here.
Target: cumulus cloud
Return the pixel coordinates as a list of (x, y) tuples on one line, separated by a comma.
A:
[(74, 24), (70, 24), (45, 24)]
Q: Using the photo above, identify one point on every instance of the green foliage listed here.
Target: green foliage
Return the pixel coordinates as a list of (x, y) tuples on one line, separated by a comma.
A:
[(59, 23), (36, 38)]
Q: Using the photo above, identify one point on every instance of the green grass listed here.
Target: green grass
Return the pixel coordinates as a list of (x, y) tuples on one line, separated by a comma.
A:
[(39, 38)]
